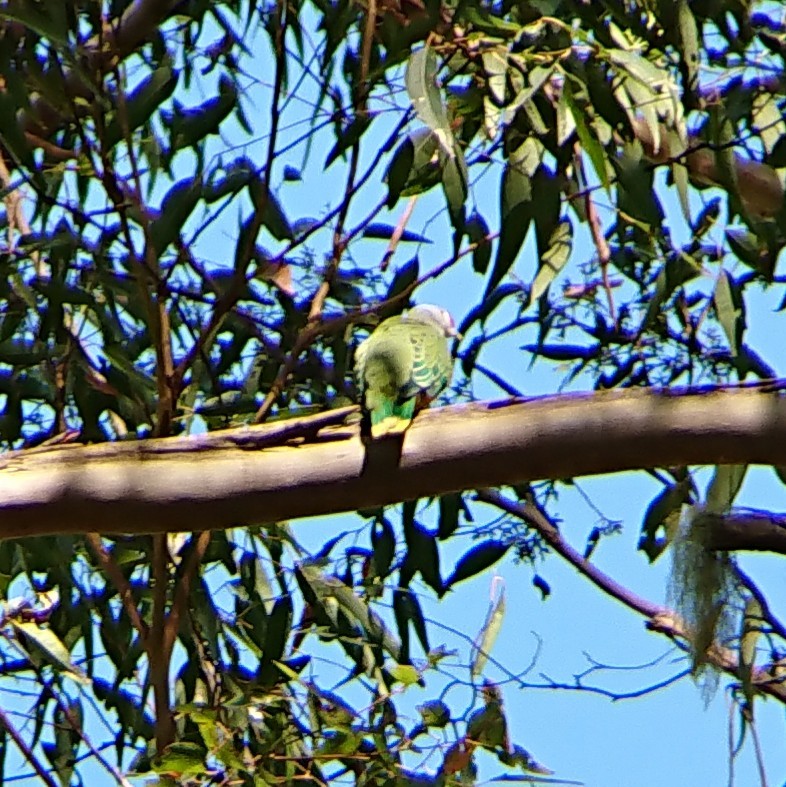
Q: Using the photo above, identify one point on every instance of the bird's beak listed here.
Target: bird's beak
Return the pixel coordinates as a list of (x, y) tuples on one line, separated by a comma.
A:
[(455, 334)]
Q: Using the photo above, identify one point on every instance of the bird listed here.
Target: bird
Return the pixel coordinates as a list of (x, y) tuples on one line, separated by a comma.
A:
[(402, 367)]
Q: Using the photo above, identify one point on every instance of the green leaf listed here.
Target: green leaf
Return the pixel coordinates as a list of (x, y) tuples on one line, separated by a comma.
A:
[(777, 157), (449, 508), (405, 277), (422, 550), (406, 609), (477, 559), (723, 488), (749, 249), (454, 184), (536, 78), (725, 311), (553, 260), (484, 309), (404, 673), (274, 218), (182, 758), (141, 103), (516, 213), (434, 714), (664, 511), (478, 231), (279, 626), (426, 97), (237, 175), (495, 66), (428, 161), (638, 67), (49, 643), (190, 126), (490, 23), (488, 726), (542, 586), (11, 133), (177, 206), (689, 41), (564, 352), (399, 170), (383, 542), (488, 635), (381, 231), (49, 20), (589, 142), (752, 624), (348, 137)]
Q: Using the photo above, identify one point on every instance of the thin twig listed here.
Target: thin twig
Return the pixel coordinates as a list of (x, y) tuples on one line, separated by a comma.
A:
[(534, 517), (27, 752), (775, 624), (397, 233), (191, 566), (660, 619), (244, 254), (112, 570), (157, 653)]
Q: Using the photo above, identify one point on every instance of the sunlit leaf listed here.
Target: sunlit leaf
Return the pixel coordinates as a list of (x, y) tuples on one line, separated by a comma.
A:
[(516, 214), (723, 488), (48, 642), (553, 259), (725, 310), (421, 81), (752, 625), (589, 142), (484, 643)]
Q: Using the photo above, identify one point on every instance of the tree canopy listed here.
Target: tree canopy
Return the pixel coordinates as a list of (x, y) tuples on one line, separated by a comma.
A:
[(208, 205)]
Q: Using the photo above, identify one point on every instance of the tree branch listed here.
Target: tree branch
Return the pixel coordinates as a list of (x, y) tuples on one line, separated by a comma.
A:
[(659, 619), (305, 468), (759, 531)]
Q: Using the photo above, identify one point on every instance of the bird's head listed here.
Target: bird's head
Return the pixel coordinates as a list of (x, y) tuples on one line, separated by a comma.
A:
[(433, 315)]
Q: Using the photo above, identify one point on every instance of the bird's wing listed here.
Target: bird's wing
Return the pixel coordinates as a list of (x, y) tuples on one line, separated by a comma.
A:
[(431, 362)]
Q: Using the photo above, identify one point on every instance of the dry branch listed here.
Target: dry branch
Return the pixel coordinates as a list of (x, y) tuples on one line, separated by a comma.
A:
[(309, 467), (659, 619)]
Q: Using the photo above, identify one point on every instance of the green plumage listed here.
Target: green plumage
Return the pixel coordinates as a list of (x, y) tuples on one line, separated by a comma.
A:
[(402, 366)]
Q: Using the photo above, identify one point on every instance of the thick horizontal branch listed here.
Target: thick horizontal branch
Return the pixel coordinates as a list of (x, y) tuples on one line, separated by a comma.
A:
[(759, 531), (309, 467)]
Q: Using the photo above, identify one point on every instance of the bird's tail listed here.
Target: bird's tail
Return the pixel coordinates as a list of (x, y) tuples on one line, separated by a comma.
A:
[(391, 419)]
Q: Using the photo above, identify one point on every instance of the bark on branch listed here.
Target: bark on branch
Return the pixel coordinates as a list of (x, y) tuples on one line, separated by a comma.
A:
[(759, 531), (313, 466)]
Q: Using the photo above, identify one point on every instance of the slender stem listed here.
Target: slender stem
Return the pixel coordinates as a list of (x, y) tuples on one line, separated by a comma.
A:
[(157, 652), (27, 752), (112, 570)]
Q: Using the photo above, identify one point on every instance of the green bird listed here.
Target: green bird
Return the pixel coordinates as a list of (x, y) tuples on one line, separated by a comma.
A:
[(402, 367)]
